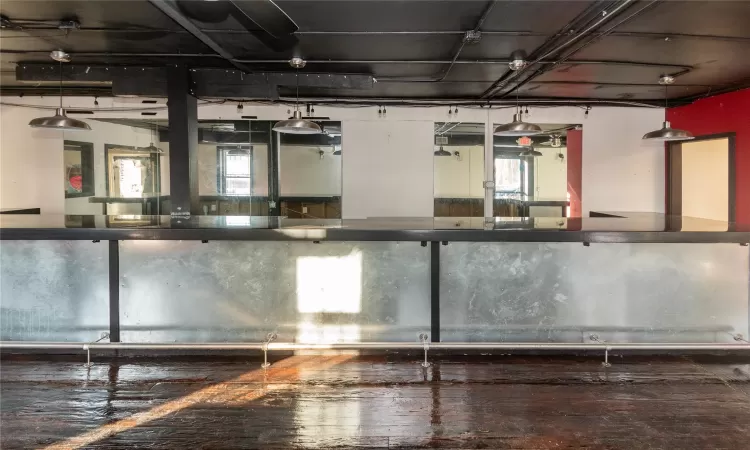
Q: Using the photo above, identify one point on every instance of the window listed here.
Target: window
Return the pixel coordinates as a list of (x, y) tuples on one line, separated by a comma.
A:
[(512, 176), (235, 170)]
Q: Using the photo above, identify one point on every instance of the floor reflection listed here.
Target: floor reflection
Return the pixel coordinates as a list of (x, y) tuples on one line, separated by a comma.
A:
[(245, 388)]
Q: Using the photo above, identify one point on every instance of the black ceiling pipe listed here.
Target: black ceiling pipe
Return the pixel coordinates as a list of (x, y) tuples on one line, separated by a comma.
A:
[(604, 14), (585, 44)]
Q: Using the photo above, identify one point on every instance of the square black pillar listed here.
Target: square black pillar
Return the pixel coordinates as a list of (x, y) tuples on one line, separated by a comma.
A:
[(183, 142)]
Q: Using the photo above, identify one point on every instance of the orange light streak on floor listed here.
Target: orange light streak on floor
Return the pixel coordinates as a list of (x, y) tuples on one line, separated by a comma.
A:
[(232, 391)]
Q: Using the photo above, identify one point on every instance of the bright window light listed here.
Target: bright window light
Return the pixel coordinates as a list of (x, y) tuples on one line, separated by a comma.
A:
[(331, 284)]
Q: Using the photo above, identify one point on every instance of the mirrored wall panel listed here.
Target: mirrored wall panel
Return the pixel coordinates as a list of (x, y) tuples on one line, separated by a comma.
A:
[(310, 173), (530, 173), (566, 292), (233, 167), (305, 292), (459, 169), (53, 290), (120, 166)]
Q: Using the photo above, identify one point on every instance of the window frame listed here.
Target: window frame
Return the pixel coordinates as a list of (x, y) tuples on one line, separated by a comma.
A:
[(527, 175), (221, 173), (86, 149)]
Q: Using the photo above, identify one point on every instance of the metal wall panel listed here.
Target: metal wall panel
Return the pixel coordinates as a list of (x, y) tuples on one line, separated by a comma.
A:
[(305, 292), (564, 292), (53, 290)]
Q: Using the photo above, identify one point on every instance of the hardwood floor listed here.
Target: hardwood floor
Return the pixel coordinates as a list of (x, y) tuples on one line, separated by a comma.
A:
[(346, 401)]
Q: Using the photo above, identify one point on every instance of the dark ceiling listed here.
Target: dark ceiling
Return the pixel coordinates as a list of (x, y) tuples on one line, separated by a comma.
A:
[(605, 50)]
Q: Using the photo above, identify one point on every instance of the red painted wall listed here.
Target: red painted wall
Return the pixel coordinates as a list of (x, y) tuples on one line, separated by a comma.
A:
[(575, 165), (723, 114)]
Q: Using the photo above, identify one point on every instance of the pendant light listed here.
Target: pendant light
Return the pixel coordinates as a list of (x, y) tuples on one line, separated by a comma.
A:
[(667, 133), (442, 152), (296, 124), (518, 127), (530, 152), (60, 121), (151, 147)]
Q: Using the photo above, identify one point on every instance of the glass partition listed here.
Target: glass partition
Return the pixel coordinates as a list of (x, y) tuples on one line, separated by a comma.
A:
[(53, 290), (459, 169), (305, 292), (565, 292)]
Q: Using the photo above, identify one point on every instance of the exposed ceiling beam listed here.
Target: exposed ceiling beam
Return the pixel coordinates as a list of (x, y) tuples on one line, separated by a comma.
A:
[(152, 81), (171, 10)]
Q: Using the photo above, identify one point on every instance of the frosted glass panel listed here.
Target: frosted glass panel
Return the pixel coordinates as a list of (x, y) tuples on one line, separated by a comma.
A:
[(53, 290), (564, 292), (305, 292)]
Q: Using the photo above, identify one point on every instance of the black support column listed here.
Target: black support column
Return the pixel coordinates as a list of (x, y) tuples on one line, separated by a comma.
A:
[(183, 142), (114, 291), (435, 291), (274, 204)]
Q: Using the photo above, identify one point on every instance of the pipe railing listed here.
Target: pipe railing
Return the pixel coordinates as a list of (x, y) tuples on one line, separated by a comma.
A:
[(372, 346), (423, 345)]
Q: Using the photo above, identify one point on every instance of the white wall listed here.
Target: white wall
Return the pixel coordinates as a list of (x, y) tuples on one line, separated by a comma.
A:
[(705, 179), (460, 177), (388, 168), (31, 161), (551, 174), (620, 171), (387, 160), (303, 173)]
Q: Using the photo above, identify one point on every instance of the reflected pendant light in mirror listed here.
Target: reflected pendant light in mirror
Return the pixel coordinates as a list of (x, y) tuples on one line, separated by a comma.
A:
[(666, 132), (296, 124), (151, 147), (442, 152), (530, 152), (60, 121)]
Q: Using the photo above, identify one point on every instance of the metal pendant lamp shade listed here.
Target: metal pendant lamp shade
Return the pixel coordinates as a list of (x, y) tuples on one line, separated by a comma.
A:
[(517, 128), (297, 125), (60, 121), (667, 133), (442, 152), (530, 152)]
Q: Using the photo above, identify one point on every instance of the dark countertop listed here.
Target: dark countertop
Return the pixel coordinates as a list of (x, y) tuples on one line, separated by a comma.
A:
[(617, 227)]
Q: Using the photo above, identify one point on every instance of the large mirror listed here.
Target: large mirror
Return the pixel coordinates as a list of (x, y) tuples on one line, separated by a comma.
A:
[(530, 173), (458, 182)]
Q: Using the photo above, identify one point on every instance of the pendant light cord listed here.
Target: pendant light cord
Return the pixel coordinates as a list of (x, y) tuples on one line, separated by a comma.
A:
[(60, 84), (296, 75)]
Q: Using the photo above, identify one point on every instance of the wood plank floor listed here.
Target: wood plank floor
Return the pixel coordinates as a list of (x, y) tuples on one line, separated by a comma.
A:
[(376, 402)]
